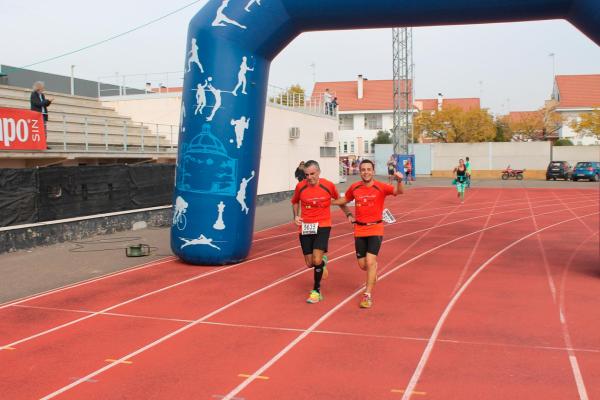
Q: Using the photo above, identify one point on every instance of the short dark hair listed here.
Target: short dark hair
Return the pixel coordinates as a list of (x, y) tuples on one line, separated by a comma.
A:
[(311, 163), (365, 161), (467, 158)]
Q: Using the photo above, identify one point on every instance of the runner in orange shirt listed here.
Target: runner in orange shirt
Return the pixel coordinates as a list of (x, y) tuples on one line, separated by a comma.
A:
[(311, 205), (369, 196)]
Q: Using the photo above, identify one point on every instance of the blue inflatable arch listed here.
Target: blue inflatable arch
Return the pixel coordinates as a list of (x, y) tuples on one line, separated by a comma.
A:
[(230, 46)]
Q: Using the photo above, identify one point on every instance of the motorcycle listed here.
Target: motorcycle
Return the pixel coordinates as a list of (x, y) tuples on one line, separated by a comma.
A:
[(512, 173)]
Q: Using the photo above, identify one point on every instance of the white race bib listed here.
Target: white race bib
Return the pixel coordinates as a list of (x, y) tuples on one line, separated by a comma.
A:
[(388, 217), (310, 228)]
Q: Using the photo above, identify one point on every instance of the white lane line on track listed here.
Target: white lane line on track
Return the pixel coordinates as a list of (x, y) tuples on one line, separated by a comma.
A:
[(302, 270), (416, 376), (430, 344), (98, 278), (577, 375), (241, 299), (334, 333), (64, 325), (132, 269)]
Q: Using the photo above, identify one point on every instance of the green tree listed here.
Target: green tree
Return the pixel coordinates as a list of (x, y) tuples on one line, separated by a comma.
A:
[(588, 123), (563, 142), (383, 137), (454, 125), (502, 131), (294, 96)]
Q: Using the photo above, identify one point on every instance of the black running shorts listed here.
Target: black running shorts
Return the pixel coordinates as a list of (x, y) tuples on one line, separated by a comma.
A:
[(318, 241), (367, 244)]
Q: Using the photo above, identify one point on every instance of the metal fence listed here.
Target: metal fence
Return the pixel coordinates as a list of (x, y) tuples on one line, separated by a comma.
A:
[(316, 103), (152, 82), (165, 82), (72, 133)]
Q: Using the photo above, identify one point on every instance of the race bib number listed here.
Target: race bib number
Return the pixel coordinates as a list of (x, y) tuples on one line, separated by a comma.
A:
[(388, 217), (310, 228)]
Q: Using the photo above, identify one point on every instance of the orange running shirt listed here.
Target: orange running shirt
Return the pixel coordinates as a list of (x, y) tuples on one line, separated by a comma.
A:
[(315, 201), (368, 206)]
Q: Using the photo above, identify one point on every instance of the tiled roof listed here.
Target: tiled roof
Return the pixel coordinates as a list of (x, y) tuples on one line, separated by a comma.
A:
[(379, 95), (578, 91), (464, 104)]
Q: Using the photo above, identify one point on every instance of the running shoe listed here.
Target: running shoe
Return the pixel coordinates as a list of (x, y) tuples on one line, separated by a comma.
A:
[(366, 301), (314, 297), (325, 270)]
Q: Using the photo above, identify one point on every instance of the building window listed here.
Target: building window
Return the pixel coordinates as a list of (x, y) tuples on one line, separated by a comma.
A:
[(352, 147), (366, 146), (346, 122), (345, 147), (372, 148), (328, 152), (373, 121)]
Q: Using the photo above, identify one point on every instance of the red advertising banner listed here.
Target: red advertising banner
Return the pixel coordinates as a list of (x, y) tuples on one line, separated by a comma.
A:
[(21, 130)]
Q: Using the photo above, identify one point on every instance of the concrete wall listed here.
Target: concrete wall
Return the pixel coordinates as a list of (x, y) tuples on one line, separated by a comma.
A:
[(488, 159), (574, 154), (280, 155), (151, 108), (382, 155)]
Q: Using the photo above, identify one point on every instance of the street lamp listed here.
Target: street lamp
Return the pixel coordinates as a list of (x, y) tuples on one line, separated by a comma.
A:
[(72, 80)]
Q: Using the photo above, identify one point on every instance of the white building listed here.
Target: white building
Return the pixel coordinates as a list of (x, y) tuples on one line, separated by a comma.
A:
[(365, 107), (292, 133), (576, 94)]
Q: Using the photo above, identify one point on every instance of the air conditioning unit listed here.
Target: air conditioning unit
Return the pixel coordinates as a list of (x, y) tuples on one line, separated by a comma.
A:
[(294, 132), (329, 136)]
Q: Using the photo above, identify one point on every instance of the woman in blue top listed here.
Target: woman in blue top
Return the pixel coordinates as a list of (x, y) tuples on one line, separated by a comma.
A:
[(460, 179)]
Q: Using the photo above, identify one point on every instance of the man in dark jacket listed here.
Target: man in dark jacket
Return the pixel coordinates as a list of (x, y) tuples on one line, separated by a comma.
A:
[(39, 102)]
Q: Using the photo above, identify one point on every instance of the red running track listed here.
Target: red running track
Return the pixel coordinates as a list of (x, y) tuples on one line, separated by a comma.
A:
[(493, 299)]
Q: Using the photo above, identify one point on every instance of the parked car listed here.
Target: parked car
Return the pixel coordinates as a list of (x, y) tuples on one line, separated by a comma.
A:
[(559, 169), (587, 170)]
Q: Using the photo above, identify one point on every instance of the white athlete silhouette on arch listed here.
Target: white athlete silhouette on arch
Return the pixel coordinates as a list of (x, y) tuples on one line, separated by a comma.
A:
[(194, 57), (217, 93), (242, 76), (241, 194), (240, 126), (222, 20), (247, 8), (200, 97), (202, 240)]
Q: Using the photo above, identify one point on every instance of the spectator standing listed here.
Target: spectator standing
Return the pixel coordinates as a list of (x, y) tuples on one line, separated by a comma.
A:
[(39, 102), (299, 173)]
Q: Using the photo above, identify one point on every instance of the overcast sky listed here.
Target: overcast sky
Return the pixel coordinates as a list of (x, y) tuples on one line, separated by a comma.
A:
[(510, 60)]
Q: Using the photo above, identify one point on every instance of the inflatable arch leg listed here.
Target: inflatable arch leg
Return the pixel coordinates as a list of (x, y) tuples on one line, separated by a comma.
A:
[(229, 49)]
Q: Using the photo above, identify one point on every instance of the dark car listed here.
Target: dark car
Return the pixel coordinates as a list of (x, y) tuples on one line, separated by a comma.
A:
[(587, 170), (558, 169)]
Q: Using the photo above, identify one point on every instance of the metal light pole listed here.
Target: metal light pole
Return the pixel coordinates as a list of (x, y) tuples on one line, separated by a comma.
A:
[(553, 65), (72, 80)]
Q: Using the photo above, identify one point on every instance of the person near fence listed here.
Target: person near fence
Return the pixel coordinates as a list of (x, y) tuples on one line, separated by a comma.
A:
[(311, 205), (391, 168), (327, 99), (468, 165), (40, 103), (460, 179), (407, 171), (334, 105), (369, 196), (299, 173)]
